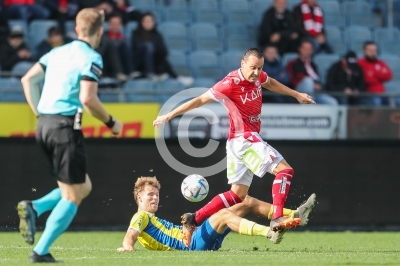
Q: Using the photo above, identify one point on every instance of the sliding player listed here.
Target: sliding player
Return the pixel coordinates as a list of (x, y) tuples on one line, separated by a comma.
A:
[(157, 234)]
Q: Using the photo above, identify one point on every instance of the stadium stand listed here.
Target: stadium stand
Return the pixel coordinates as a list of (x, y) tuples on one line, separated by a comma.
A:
[(324, 61), (21, 68), (230, 60), (141, 90), (129, 28), (201, 35), (288, 57), (178, 15), (38, 31), (175, 36), (203, 83), (209, 16), (230, 5), (180, 62), (204, 4), (167, 88), (11, 90), (205, 65)]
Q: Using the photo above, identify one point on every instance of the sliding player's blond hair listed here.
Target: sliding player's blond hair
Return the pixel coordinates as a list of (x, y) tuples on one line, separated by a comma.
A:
[(141, 183), (89, 20)]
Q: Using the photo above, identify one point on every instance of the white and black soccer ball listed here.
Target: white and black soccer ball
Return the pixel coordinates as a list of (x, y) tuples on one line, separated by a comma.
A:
[(194, 188)]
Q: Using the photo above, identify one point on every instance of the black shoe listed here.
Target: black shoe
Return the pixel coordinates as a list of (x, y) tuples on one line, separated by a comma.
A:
[(188, 227), (27, 221), (189, 219), (35, 258)]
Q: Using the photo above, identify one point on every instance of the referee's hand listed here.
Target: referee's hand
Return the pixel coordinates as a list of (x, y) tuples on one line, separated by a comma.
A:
[(116, 129)]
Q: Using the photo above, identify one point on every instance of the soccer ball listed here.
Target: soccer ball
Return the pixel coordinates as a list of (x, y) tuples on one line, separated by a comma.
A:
[(194, 188)]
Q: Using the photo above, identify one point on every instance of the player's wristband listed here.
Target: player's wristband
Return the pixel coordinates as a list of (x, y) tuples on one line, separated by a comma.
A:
[(111, 122)]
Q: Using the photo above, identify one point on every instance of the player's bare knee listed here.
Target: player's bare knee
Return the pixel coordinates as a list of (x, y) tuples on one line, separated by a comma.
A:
[(283, 165), (224, 214)]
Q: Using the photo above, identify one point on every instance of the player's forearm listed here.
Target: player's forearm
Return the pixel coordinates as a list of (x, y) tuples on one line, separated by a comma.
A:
[(30, 83), (190, 105), (32, 93), (127, 245), (129, 242), (278, 87), (94, 107)]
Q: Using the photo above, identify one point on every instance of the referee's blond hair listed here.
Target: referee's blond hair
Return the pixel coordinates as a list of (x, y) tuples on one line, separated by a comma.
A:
[(89, 20)]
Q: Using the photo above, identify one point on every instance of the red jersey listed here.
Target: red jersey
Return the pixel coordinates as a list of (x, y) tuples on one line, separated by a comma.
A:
[(375, 74), (18, 2), (243, 100)]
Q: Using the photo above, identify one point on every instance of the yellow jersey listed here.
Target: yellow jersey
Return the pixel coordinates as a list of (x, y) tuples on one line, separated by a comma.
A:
[(156, 233)]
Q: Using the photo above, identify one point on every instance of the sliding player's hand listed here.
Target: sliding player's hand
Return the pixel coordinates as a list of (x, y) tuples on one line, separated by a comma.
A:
[(304, 98), (122, 249), (116, 129), (163, 119)]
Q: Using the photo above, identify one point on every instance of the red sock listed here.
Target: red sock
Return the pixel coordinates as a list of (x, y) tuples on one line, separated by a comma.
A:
[(223, 200), (280, 191)]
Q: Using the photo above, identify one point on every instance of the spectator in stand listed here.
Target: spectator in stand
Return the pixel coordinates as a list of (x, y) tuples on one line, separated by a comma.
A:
[(4, 29), (346, 76), (122, 7), (14, 50), (150, 53), (55, 38), (277, 28), (304, 75), (309, 22), (376, 72), (26, 10), (275, 70), (116, 35), (112, 65), (62, 10)]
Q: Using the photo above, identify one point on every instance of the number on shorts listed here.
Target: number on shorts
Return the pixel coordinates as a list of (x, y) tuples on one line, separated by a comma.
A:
[(252, 160)]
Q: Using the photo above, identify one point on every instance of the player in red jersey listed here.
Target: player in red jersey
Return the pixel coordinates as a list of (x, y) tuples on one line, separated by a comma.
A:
[(247, 154)]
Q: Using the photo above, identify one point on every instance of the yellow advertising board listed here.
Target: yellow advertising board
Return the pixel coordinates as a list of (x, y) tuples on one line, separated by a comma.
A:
[(17, 120)]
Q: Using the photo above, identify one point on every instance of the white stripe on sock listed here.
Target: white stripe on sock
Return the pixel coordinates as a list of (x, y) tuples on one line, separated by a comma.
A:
[(280, 181), (224, 200), (233, 198)]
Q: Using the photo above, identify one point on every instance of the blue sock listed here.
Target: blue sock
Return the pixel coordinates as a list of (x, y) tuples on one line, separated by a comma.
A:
[(48, 202), (58, 221)]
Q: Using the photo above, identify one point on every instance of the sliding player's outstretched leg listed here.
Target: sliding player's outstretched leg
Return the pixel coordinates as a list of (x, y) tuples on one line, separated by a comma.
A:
[(221, 201), (304, 210)]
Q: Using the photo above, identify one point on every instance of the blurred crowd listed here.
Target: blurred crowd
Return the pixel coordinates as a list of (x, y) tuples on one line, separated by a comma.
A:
[(144, 54)]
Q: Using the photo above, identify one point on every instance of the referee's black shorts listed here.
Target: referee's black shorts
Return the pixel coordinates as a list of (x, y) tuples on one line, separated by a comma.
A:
[(63, 147)]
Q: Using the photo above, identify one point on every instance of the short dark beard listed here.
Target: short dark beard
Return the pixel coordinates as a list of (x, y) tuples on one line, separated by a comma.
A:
[(370, 58)]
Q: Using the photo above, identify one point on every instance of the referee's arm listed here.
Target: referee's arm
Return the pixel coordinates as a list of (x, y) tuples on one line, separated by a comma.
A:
[(30, 83), (91, 103)]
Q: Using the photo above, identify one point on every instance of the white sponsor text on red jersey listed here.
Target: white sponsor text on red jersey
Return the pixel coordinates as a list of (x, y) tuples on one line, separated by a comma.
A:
[(243, 100)]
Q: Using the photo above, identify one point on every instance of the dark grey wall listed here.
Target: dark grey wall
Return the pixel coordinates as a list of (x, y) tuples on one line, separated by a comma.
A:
[(357, 183)]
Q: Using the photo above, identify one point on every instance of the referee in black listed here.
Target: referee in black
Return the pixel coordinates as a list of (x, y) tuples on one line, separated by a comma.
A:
[(70, 74)]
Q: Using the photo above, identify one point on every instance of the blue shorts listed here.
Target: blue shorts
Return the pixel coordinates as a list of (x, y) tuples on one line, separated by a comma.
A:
[(206, 238)]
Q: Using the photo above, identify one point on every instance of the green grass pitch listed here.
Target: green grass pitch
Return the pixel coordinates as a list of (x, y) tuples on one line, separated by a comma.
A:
[(297, 248)]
